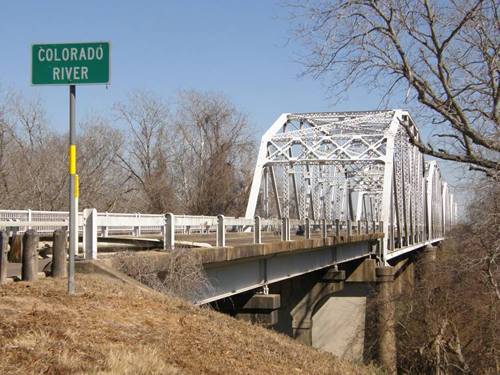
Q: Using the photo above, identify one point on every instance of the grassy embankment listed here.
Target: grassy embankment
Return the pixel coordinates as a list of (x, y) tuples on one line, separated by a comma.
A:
[(111, 328)]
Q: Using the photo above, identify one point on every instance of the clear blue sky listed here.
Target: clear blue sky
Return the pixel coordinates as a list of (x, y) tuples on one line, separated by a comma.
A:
[(239, 48)]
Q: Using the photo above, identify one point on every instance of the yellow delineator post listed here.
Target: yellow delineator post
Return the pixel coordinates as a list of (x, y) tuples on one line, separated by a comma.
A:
[(73, 192), (72, 159)]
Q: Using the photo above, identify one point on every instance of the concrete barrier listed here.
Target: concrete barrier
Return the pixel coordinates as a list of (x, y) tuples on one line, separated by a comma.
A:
[(29, 270)]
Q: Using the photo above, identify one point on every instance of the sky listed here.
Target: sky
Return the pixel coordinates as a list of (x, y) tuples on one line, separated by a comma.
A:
[(243, 49), (239, 48)]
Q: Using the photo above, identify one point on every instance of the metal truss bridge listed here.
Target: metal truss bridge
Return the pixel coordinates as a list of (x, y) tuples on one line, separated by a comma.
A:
[(352, 166), (328, 189)]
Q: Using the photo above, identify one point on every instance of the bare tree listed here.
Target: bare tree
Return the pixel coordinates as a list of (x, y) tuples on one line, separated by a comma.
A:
[(449, 322), (147, 156), (197, 161), (179, 273), (103, 181), (443, 55), (5, 138), (35, 157), (33, 160), (214, 151)]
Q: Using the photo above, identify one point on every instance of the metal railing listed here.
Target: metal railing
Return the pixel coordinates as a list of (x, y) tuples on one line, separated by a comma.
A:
[(93, 224)]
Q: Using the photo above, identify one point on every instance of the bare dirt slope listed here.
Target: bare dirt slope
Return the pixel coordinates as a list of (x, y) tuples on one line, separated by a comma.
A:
[(110, 328)]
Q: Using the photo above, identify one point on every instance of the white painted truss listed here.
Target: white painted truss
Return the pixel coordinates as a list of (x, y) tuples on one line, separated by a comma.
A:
[(352, 166)]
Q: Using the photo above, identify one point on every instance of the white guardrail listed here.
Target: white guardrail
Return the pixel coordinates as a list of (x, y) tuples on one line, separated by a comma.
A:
[(93, 224)]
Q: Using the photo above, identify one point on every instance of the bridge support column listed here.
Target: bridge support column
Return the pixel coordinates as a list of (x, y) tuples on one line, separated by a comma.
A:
[(428, 261), (404, 278), (261, 309), (386, 353), (342, 323), (332, 281)]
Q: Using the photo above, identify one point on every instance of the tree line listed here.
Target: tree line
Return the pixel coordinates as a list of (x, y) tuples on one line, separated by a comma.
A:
[(149, 156)]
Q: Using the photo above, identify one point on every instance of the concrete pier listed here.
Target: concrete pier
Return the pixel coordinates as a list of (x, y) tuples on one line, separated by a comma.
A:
[(386, 348)]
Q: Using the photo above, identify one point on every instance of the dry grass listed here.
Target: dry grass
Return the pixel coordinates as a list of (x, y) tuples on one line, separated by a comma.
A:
[(109, 328)]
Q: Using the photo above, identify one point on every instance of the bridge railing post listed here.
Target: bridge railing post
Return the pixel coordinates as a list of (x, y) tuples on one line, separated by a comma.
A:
[(221, 231), (30, 217), (324, 233), (367, 228), (90, 233), (412, 234), (169, 232), (137, 228), (288, 229), (307, 229), (359, 227), (337, 227), (104, 229), (374, 226), (257, 231), (349, 228), (285, 229)]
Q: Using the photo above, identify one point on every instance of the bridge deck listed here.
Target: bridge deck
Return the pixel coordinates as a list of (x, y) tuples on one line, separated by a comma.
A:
[(235, 269)]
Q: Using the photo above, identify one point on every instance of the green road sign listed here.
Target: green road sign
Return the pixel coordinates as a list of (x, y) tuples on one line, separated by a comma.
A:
[(70, 63)]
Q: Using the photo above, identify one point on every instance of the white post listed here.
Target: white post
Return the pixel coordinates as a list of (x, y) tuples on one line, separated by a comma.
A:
[(257, 231), (221, 231), (169, 232), (283, 229), (137, 228), (104, 229), (323, 228), (90, 233), (288, 229), (29, 217)]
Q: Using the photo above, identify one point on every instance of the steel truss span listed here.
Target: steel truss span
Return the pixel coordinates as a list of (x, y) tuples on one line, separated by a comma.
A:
[(352, 166)]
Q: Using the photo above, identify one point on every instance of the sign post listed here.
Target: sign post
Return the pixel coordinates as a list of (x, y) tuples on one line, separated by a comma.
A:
[(73, 192), (71, 64)]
